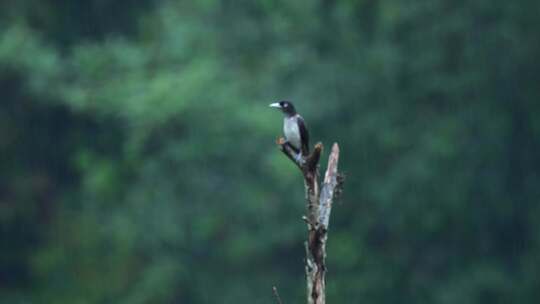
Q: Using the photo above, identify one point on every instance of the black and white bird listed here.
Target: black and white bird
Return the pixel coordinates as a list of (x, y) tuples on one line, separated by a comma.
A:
[(294, 128)]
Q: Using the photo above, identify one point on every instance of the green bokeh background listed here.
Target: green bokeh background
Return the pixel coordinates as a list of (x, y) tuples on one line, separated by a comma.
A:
[(138, 162)]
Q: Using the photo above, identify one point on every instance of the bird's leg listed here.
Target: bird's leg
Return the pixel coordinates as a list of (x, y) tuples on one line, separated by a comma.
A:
[(296, 151), (298, 154), (293, 153), (299, 157)]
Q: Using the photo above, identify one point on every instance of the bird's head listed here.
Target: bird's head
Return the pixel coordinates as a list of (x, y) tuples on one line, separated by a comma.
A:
[(285, 106)]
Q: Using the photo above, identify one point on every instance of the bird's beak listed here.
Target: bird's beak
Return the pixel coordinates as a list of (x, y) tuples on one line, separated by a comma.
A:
[(275, 105)]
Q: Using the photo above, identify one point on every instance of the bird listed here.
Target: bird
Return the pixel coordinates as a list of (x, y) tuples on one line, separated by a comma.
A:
[(294, 128)]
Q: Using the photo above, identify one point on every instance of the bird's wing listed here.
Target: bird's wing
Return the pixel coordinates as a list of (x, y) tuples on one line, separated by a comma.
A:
[(304, 136)]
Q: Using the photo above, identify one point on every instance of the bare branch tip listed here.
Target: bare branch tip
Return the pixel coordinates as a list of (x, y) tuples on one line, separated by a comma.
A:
[(276, 294)]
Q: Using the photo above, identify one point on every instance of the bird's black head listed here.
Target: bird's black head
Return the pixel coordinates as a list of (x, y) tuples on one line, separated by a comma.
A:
[(285, 106)]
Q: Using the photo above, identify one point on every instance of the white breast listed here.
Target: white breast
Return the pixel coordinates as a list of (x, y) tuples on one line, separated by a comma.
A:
[(291, 131)]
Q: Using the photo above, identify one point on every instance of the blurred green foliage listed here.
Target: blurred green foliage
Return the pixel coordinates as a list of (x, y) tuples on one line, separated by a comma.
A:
[(138, 162)]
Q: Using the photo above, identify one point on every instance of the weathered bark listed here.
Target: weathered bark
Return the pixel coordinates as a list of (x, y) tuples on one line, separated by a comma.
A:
[(318, 209)]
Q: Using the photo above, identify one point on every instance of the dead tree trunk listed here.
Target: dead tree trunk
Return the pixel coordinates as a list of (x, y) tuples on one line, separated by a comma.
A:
[(318, 207)]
